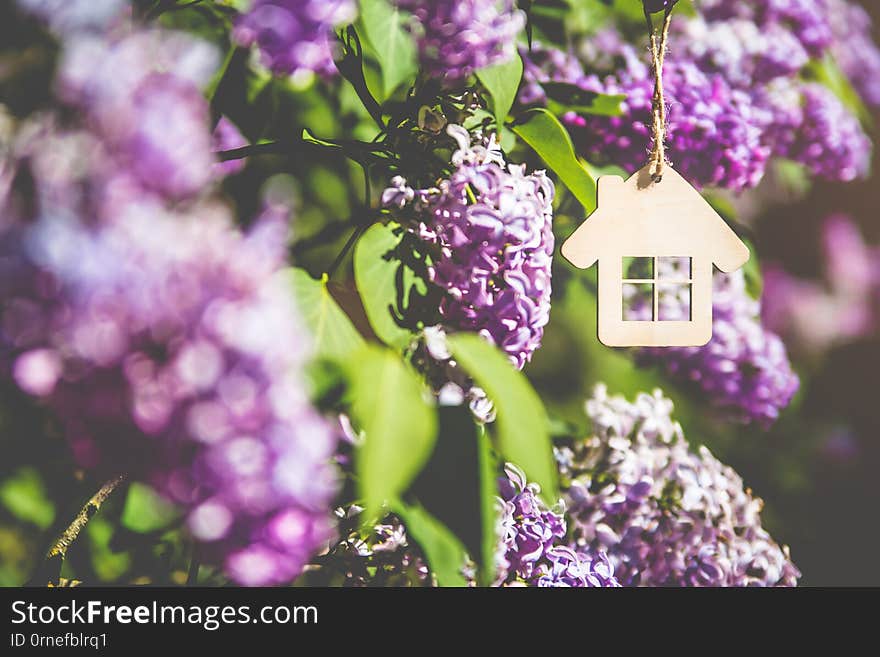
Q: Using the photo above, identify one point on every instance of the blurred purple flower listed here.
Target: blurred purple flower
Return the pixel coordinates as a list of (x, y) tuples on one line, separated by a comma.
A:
[(458, 37), (665, 515), (854, 49), (170, 350), (294, 37), (67, 18), (141, 97), (816, 315), (492, 226), (165, 341)]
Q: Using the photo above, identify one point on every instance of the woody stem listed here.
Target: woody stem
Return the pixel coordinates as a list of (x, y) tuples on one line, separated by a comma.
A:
[(69, 535)]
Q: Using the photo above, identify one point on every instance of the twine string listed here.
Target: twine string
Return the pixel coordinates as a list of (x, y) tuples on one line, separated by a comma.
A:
[(657, 160)]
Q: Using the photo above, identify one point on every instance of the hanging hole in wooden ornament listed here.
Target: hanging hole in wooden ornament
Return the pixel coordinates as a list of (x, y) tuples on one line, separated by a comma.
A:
[(656, 244)]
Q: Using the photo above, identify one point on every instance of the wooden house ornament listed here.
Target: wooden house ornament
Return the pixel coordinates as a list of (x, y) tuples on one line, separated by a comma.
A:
[(638, 223)]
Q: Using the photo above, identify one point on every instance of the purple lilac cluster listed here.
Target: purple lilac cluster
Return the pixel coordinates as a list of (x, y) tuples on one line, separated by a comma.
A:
[(808, 20), (665, 515), (294, 37), (744, 370), (830, 142), (762, 53), (744, 53), (714, 133), (532, 542), (854, 49), (816, 315), (162, 338), (532, 549), (492, 225), (734, 94), (457, 37)]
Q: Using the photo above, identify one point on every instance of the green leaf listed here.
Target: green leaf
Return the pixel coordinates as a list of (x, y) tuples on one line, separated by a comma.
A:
[(502, 83), (753, 275), (24, 496), (564, 97), (445, 554), (108, 564), (722, 205), (522, 424), (374, 276), (392, 45), (827, 71), (400, 426), (146, 511), (488, 511), (550, 140), (793, 176), (335, 336)]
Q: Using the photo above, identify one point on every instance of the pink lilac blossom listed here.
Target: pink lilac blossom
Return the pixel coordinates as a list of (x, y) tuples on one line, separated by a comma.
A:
[(492, 224), (744, 371), (294, 37), (665, 514), (457, 37), (815, 315)]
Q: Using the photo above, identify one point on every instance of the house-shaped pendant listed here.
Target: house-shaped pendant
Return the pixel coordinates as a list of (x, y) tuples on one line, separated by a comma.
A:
[(654, 240)]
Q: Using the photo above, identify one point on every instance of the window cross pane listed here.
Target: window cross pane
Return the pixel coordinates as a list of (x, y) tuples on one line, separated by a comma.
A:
[(657, 288)]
